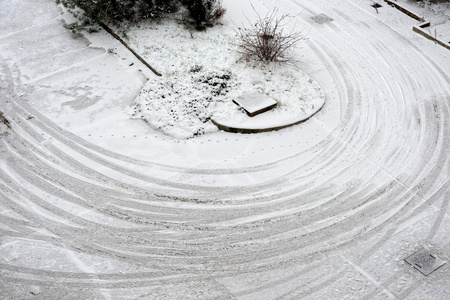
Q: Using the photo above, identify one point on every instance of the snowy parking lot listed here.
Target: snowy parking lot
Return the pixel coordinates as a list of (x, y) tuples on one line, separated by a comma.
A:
[(97, 204)]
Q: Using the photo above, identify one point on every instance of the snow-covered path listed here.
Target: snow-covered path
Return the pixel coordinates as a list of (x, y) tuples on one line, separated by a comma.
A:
[(325, 210)]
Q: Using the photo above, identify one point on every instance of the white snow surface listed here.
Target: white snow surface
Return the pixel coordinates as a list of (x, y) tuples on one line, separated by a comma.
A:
[(97, 205)]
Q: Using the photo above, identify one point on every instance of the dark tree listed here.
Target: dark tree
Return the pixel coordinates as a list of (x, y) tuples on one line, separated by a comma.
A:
[(204, 13), (116, 12)]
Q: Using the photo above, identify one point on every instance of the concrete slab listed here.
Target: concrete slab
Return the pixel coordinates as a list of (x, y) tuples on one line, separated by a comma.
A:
[(255, 103)]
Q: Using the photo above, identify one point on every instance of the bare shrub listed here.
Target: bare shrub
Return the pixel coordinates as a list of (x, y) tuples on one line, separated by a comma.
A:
[(267, 41)]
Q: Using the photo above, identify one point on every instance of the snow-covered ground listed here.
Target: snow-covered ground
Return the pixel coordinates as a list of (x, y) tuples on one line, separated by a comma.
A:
[(97, 205), (203, 72)]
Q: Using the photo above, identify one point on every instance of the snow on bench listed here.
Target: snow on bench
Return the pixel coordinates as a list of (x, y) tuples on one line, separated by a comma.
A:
[(255, 103)]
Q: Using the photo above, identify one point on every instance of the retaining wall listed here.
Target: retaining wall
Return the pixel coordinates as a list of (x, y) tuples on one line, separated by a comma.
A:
[(405, 10), (418, 28)]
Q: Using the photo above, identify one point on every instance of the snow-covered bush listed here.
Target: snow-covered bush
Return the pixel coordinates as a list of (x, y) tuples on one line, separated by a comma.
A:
[(266, 40), (182, 105)]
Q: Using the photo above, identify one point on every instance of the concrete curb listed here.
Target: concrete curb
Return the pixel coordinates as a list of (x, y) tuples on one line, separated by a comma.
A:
[(111, 32), (405, 10), (236, 129)]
